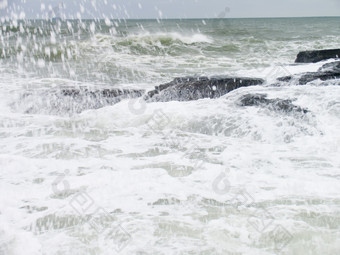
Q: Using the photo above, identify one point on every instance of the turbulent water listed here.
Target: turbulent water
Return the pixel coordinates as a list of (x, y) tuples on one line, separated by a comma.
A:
[(200, 177)]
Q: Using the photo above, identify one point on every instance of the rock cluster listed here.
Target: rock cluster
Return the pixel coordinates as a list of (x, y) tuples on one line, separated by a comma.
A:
[(194, 88)]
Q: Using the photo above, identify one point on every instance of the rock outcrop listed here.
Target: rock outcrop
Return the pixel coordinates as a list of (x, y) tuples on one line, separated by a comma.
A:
[(317, 55), (329, 71), (194, 88), (281, 105)]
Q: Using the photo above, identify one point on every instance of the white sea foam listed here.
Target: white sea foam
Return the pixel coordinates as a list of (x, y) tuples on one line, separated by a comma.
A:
[(178, 177), (157, 37)]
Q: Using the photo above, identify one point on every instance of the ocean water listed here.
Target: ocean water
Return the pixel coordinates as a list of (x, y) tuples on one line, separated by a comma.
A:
[(199, 177)]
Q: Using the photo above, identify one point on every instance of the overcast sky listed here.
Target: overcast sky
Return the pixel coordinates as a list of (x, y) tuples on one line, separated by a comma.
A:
[(168, 8)]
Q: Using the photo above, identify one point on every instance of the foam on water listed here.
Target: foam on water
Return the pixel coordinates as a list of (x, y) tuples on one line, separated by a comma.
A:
[(133, 172), (176, 177), (169, 38)]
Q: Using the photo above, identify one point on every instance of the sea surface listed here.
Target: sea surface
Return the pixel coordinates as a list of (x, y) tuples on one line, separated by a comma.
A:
[(200, 177)]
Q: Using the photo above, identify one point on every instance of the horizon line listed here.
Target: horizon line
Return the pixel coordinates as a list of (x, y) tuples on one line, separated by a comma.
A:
[(198, 18)]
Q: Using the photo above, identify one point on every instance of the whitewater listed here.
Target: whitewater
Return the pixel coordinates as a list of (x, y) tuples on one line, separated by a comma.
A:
[(199, 177)]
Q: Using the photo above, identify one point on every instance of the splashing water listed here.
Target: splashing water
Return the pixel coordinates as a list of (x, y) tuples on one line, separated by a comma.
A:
[(203, 177)]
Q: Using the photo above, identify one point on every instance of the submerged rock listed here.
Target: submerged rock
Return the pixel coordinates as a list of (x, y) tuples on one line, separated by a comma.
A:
[(194, 88), (70, 100), (317, 55), (94, 99), (308, 77), (103, 93), (282, 105), (333, 67), (329, 71)]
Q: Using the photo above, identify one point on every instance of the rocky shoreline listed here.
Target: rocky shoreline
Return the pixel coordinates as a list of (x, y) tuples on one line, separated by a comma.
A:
[(194, 88)]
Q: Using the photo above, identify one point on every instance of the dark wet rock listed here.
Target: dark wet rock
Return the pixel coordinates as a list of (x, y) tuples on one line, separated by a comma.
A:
[(103, 93), (308, 77), (84, 99), (329, 71), (281, 105), (285, 78), (194, 88), (70, 100), (333, 67), (317, 55)]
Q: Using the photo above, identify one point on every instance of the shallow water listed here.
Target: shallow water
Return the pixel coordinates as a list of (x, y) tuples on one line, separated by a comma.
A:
[(201, 177)]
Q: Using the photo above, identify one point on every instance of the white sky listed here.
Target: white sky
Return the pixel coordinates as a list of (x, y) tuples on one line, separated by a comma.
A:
[(171, 8)]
